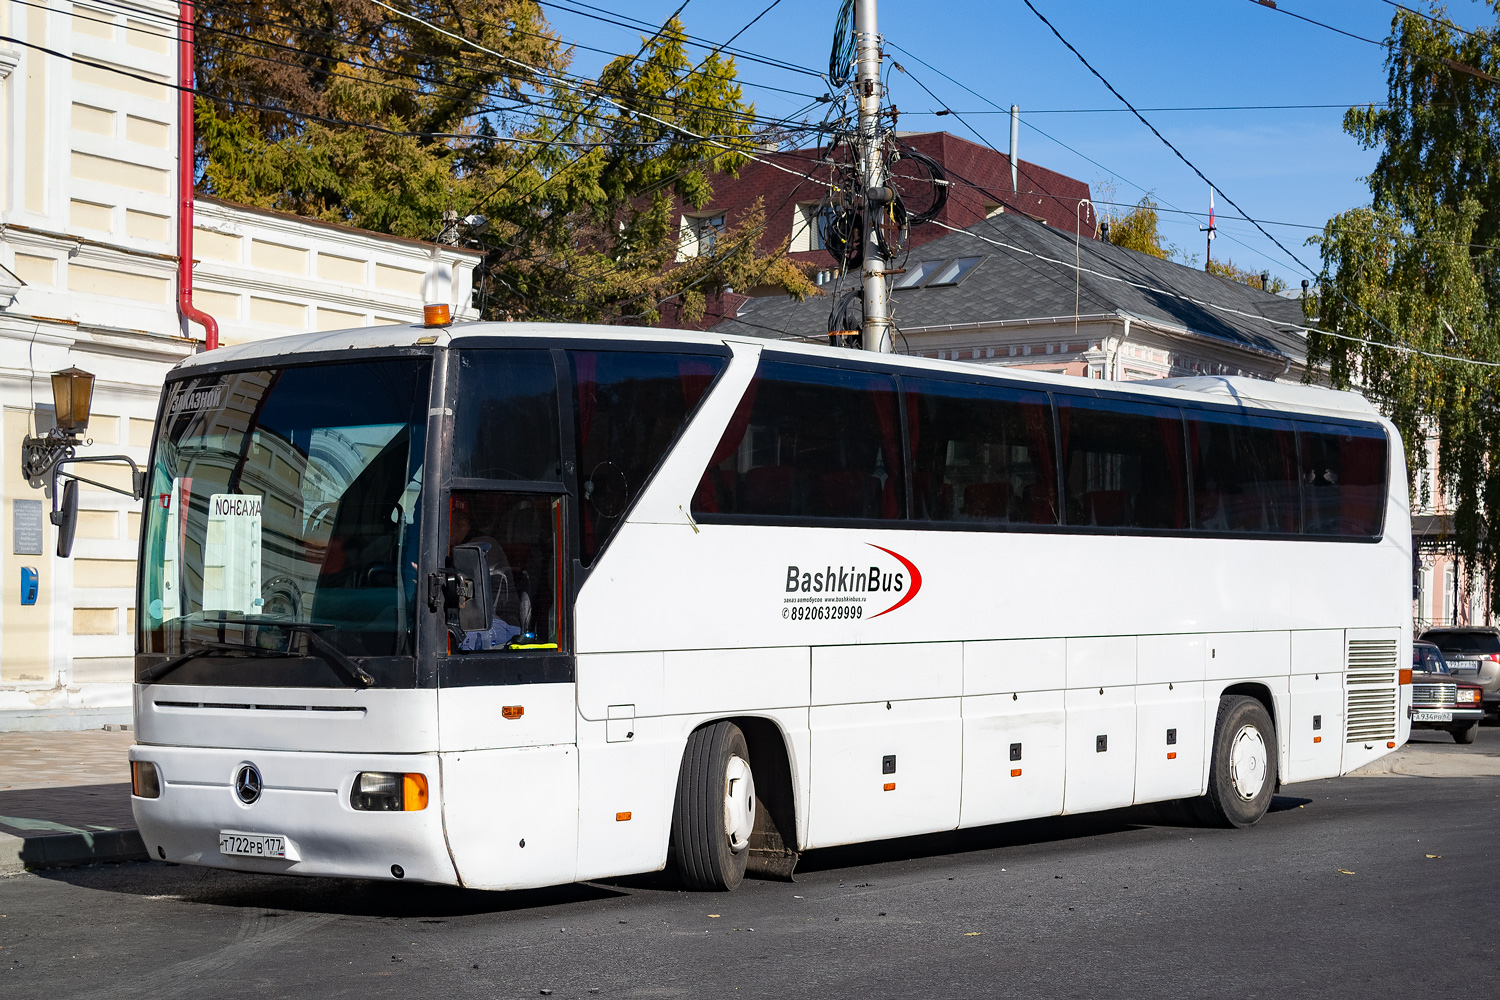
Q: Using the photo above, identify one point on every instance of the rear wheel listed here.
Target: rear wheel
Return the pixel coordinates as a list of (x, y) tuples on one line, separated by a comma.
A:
[(715, 810), (1242, 774), (1466, 734)]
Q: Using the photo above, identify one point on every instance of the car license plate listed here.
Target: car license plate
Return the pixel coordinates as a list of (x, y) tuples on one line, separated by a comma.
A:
[(1464, 666), (1432, 716), (252, 845)]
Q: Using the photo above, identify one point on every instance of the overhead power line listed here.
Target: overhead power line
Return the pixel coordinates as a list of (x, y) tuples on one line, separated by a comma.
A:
[(635, 24), (1110, 111), (1218, 307), (1193, 167), (1450, 63)]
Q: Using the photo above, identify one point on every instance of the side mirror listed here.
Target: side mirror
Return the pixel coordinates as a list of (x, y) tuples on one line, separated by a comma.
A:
[(66, 518), (472, 597)]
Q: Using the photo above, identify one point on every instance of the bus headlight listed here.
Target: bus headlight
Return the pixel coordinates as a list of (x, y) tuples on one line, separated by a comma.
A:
[(145, 780), (388, 791)]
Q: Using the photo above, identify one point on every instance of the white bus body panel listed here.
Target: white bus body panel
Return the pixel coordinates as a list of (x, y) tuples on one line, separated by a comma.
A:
[(335, 720), (305, 799)]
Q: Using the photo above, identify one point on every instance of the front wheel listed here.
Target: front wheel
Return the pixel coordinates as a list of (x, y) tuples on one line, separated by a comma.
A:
[(715, 810), (1466, 734), (1242, 774)]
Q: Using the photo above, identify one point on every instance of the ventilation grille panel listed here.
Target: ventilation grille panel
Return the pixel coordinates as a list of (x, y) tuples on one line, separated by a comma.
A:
[(1370, 684)]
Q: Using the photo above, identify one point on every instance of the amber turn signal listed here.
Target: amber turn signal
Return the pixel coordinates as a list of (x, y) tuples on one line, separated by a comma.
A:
[(513, 711), (623, 817), (890, 786), (1171, 755), (1406, 675), (1015, 772), (413, 792), (145, 783)]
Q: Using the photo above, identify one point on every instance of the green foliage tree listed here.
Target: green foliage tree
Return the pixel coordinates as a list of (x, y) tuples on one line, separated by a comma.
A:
[(1139, 229), (345, 112), (1226, 268), (1411, 281)]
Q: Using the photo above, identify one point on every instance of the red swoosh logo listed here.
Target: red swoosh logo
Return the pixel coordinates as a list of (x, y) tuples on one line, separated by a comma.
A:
[(911, 567)]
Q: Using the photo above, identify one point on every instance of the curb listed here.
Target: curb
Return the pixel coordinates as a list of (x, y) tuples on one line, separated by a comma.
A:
[(63, 850)]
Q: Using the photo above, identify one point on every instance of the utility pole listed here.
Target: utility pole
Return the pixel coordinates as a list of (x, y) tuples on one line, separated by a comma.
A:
[(877, 322)]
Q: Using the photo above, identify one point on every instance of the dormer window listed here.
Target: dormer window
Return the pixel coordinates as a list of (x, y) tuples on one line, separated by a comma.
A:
[(698, 234)]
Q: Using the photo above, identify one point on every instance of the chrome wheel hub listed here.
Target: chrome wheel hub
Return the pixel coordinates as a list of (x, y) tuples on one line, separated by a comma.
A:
[(1249, 762), (739, 803)]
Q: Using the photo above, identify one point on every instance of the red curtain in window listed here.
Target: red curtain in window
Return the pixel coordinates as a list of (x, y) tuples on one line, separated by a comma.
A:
[(1037, 421), (706, 498), (586, 390), (887, 415), (1170, 428), (695, 376)]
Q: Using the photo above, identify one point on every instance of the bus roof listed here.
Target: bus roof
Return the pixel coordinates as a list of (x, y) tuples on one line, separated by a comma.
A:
[(1259, 393)]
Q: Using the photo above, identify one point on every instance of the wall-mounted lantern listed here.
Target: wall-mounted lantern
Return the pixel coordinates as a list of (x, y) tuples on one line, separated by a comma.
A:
[(72, 395), (42, 457)]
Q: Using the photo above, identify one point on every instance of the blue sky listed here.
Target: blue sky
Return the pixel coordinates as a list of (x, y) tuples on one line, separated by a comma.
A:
[(1288, 166)]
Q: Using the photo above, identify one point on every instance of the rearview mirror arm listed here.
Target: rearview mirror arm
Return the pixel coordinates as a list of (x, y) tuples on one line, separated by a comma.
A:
[(137, 477)]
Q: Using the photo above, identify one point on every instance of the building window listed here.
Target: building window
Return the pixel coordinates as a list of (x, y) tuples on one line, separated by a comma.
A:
[(698, 234), (810, 227)]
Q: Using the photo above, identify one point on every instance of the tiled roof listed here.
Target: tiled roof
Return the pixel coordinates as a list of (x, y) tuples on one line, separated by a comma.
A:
[(1027, 272)]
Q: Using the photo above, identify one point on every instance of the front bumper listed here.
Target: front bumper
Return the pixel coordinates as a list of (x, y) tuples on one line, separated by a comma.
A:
[(305, 799)]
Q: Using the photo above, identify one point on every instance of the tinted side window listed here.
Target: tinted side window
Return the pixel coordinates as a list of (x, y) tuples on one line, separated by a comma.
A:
[(1122, 463), (1244, 473), (809, 442), (505, 416), (980, 453), (1343, 478), (628, 408)]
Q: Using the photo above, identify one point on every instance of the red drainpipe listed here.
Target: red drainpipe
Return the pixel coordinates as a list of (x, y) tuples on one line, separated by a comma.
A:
[(185, 163)]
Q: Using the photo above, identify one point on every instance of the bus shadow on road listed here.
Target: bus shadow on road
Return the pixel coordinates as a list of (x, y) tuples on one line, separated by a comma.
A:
[(1025, 833), (294, 894)]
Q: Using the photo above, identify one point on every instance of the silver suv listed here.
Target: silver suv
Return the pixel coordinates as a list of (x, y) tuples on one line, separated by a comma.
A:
[(1473, 655)]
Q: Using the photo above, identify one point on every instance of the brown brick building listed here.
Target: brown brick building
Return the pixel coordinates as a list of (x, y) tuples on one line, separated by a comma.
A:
[(792, 185)]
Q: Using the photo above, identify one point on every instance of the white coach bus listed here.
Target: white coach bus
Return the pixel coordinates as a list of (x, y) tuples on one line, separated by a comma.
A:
[(508, 605)]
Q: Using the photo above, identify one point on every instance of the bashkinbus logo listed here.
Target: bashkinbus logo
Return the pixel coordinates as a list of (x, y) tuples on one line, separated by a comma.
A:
[(846, 581)]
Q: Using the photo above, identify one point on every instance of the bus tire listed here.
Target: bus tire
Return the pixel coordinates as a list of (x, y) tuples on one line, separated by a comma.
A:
[(1242, 770), (715, 809)]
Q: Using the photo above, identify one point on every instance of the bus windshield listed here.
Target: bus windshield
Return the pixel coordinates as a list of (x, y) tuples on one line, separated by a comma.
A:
[(283, 513)]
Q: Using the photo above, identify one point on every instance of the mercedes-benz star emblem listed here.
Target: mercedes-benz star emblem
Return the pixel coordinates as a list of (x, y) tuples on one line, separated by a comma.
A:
[(247, 784)]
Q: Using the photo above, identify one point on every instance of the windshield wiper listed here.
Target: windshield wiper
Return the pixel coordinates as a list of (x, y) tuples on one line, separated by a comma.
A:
[(340, 662), (156, 672)]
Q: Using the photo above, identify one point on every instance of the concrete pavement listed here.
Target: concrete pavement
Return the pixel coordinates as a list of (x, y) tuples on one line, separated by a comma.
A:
[(65, 799), (65, 796)]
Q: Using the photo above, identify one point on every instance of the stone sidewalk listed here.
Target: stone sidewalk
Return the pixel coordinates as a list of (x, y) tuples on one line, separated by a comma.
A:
[(65, 799)]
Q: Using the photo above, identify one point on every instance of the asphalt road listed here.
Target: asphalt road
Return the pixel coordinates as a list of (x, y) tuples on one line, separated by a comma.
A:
[(1353, 887)]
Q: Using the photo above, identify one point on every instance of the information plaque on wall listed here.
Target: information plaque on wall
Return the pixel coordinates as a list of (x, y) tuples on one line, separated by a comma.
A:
[(26, 527)]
